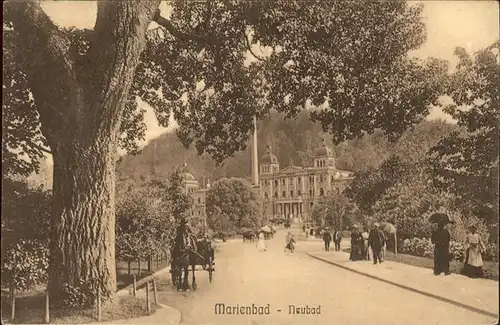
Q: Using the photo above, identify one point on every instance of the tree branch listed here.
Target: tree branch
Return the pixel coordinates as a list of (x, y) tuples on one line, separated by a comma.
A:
[(42, 51), (249, 47), (167, 24), (120, 37)]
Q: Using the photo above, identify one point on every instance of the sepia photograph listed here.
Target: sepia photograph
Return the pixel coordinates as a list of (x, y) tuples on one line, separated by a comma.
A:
[(250, 162)]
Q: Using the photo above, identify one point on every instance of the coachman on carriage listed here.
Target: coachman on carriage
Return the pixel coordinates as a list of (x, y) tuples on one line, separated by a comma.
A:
[(187, 251)]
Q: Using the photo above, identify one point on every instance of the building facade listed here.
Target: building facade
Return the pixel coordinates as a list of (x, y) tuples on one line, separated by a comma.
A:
[(291, 192), (198, 193)]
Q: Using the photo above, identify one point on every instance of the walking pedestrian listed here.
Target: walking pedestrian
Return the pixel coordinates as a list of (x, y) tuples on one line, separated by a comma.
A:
[(376, 241), (327, 238), (365, 236), (473, 264), (261, 244), (337, 238), (441, 240), (356, 245)]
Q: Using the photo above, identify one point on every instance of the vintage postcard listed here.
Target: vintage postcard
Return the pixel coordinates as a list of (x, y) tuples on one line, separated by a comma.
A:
[(281, 162)]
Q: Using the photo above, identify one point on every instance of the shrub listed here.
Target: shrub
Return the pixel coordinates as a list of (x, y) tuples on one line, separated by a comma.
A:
[(425, 248), (418, 247), (25, 264), (491, 253)]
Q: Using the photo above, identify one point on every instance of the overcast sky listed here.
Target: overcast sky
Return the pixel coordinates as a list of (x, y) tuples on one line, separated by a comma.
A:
[(469, 24)]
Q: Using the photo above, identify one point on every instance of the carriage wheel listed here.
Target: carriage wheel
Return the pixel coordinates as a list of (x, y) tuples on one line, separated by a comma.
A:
[(210, 269)]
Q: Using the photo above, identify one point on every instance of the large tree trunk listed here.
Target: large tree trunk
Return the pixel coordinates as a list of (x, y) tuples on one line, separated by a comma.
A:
[(80, 102), (83, 247)]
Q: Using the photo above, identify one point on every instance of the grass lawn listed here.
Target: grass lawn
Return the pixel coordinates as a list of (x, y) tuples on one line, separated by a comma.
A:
[(30, 309), (124, 279), (490, 268)]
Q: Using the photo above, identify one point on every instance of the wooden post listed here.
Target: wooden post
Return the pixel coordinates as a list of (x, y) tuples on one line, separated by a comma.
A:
[(149, 263), (99, 312), (148, 303), (395, 244), (128, 269), (139, 267), (134, 285), (13, 302), (154, 291), (47, 311)]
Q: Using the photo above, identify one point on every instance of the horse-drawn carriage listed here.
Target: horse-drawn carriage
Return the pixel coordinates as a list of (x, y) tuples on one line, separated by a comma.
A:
[(187, 251)]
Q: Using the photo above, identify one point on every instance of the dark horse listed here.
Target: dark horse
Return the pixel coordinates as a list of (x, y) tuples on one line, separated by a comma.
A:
[(183, 255)]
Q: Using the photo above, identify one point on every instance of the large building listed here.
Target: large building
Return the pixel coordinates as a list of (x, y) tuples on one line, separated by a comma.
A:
[(291, 192), (198, 193)]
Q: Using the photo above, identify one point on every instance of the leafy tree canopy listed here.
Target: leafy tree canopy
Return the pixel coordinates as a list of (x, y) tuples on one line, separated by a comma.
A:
[(232, 204), (467, 164), (351, 55)]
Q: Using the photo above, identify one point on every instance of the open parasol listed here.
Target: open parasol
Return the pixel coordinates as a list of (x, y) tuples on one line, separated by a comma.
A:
[(266, 229), (440, 217), (388, 228)]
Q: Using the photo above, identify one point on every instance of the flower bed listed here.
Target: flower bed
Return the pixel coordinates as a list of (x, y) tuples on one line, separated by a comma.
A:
[(424, 248)]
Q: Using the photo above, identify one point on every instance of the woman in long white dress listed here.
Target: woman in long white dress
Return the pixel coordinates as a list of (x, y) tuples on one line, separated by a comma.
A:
[(261, 245), (473, 265)]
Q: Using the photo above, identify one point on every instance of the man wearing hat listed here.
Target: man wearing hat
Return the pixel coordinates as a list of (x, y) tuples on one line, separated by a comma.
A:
[(376, 241)]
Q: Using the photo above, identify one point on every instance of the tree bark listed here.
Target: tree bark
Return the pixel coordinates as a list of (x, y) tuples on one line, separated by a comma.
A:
[(83, 246)]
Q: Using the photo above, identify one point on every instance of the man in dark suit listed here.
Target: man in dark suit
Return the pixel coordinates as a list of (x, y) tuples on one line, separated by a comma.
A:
[(327, 238), (376, 241)]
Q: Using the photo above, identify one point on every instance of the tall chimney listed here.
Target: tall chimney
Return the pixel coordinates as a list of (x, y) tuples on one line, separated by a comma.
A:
[(255, 161)]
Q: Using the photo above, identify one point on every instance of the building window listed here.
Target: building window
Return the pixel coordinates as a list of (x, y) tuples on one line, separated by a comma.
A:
[(198, 212), (338, 190), (266, 195), (299, 193), (199, 200), (298, 180), (276, 194), (276, 183), (283, 182), (291, 193), (283, 194), (321, 192), (321, 178), (291, 180), (310, 192)]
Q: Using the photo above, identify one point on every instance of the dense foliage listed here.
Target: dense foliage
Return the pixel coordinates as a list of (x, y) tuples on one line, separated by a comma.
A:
[(25, 234), (147, 217), (25, 264), (231, 205), (335, 211), (467, 164)]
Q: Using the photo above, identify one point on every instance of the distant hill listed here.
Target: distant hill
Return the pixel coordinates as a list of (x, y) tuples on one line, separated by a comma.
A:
[(290, 140)]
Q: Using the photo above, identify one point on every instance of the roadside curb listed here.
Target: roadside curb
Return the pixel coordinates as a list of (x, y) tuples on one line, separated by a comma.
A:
[(450, 301)]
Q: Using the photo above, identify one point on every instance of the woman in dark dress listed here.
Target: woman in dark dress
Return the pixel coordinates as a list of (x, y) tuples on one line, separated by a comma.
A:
[(356, 245)]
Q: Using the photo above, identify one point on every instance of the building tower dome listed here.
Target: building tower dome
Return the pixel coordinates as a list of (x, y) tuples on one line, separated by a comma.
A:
[(186, 175), (323, 151), (268, 157)]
